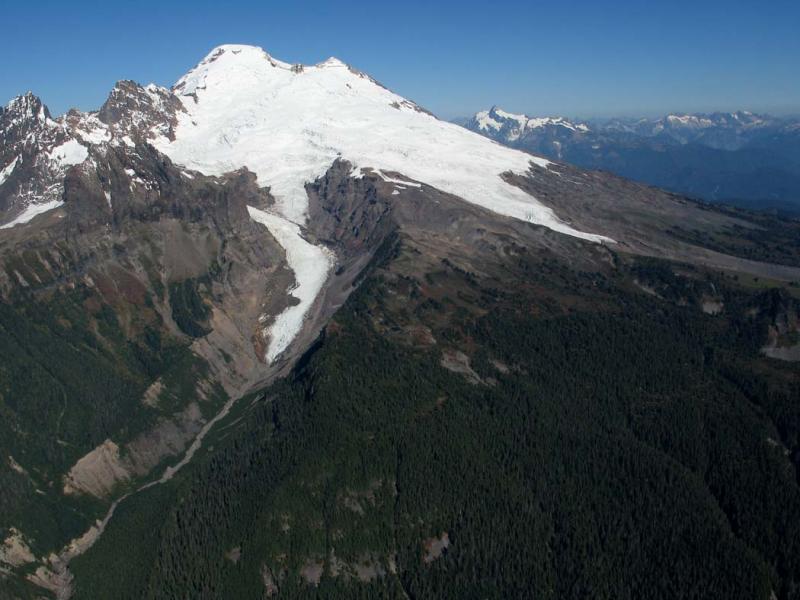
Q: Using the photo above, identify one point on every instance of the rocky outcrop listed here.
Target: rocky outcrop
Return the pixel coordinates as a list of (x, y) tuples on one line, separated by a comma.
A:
[(104, 468), (783, 330), (140, 112), (35, 154), (351, 215), (15, 551), (98, 472)]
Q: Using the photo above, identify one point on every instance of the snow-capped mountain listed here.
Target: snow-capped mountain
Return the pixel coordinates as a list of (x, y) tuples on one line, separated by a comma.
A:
[(288, 124), (37, 150), (736, 157), (509, 127), (35, 153), (719, 130), (724, 131), (545, 135)]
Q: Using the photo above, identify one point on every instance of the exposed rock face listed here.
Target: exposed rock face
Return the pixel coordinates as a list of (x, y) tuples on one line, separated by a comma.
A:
[(15, 551), (435, 547), (783, 336), (312, 570), (351, 215), (26, 124), (35, 153), (97, 472), (458, 362), (174, 229), (100, 471), (140, 112), (270, 585)]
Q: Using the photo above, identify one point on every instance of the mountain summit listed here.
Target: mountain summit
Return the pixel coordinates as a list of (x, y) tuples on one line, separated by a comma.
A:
[(499, 124)]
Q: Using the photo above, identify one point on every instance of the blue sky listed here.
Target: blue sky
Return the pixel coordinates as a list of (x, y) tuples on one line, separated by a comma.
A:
[(573, 57)]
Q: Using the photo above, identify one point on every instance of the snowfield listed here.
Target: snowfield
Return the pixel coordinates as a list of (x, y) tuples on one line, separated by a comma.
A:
[(289, 124), (31, 211), (71, 152), (310, 264), (6, 172)]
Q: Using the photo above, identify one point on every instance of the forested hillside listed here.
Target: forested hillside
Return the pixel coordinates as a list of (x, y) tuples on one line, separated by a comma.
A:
[(592, 433)]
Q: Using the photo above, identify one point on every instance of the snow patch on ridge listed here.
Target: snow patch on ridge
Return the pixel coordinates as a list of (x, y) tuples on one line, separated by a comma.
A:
[(31, 211), (311, 265), (9, 168), (400, 181), (485, 121), (71, 152)]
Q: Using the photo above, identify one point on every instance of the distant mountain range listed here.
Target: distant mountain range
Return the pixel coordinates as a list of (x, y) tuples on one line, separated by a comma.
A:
[(739, 158)]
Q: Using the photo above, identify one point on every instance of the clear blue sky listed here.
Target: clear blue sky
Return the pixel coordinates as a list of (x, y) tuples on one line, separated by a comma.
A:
[(575, 58)]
